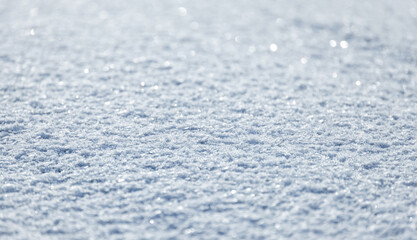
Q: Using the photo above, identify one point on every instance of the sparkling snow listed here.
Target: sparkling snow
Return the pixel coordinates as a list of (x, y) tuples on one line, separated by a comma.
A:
[(208, 119)]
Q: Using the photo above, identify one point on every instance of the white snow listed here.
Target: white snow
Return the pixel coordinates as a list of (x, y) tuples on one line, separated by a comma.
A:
[(208, 119)]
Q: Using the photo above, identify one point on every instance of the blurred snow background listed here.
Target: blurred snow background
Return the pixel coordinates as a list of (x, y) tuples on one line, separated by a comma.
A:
[(208, 119)]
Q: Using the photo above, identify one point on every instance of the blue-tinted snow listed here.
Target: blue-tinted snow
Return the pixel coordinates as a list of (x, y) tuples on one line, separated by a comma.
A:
[(208, 119)]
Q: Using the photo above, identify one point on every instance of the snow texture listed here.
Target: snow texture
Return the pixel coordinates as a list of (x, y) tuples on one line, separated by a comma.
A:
[(208, 119)]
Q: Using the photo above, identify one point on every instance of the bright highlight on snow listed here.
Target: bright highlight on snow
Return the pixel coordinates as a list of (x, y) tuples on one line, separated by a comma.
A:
[(182, 11), (303, 60), (273, 47), (333, 43), (344, 44)]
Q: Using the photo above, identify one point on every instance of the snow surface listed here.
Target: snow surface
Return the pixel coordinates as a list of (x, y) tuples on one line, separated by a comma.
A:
[(208, 119)]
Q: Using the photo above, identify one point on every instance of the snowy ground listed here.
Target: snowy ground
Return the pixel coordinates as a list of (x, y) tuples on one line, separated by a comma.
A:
[(208, 119)]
